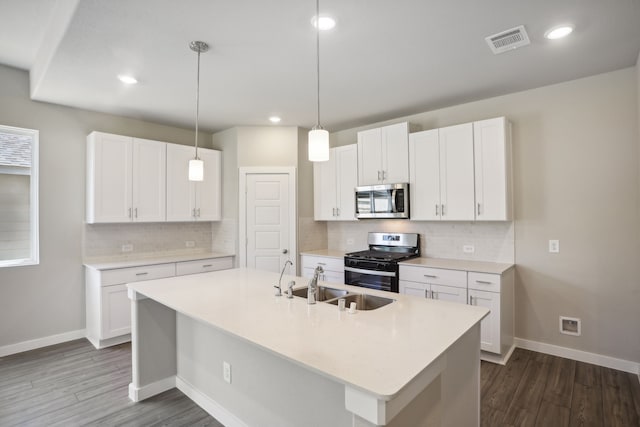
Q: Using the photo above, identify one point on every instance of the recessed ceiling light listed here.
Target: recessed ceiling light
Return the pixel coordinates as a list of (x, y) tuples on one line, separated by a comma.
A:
[(128, 80), (559, 32), (326, 22), (274, 119)]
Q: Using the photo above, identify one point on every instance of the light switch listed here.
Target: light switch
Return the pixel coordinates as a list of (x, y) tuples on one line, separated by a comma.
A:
[(554, 246)]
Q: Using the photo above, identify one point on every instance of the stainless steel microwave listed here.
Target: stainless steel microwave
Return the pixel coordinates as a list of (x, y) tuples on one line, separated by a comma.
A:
[(382, 201)]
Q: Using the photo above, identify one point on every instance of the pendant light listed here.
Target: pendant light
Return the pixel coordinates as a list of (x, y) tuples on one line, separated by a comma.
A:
[(196, 166), (318, 136)]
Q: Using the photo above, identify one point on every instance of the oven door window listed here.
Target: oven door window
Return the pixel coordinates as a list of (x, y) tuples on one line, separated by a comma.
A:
[(371, 281)]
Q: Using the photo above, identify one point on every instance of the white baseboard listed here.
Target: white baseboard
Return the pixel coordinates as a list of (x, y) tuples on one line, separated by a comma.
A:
[(214, 409), (137, 394), (41, 342), (579, 355)]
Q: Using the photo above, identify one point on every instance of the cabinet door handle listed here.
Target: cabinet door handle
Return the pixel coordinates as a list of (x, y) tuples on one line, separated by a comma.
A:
[(430, 276), (198, 212), (434, 295), (142, 274), (193, 212), (136, 212), (442, 210), (437, 211), (337, 211), (483, 282), (129, 212), (207, 265), (478, 208), (378, 175), (470, 300), (322, 263), (427, 293)]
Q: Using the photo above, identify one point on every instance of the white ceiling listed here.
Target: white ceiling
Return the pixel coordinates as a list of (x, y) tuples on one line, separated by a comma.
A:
[(384, 59)]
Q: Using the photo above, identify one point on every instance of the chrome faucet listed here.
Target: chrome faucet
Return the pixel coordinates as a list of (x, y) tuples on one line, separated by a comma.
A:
[(312, 291), (279, 286)]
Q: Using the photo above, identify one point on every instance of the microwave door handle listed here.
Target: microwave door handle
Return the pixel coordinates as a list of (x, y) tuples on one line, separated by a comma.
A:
[(393, 200)]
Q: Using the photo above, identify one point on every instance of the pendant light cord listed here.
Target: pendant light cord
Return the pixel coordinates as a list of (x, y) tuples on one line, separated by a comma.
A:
[(318, 60), (197, 101)]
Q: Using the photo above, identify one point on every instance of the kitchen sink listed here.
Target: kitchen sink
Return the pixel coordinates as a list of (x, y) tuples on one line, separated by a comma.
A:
[(364, 301), (324, 293)]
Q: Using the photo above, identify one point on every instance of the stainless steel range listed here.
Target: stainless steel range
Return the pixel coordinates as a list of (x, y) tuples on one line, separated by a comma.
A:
[(377, 267)]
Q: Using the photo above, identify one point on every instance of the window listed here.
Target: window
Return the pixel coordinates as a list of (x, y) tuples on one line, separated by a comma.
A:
[(18, 196)]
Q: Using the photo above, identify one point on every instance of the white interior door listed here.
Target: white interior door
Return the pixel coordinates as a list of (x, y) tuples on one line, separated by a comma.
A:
[(268, 221)]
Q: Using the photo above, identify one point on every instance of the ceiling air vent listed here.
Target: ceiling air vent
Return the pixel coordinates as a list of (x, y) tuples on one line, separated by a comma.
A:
[(508, 40)]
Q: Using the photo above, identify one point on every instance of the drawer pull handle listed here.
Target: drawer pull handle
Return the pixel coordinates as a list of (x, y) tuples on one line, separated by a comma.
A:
[(484, 282), (322, 263), (207, 265), (142, 274), (430, 276)]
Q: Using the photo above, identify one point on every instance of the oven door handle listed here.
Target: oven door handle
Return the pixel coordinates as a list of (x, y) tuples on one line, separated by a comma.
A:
[(370, 272)]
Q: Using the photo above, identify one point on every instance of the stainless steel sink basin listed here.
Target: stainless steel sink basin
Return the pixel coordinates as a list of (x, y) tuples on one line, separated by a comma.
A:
[(364, 301), (324, 293)]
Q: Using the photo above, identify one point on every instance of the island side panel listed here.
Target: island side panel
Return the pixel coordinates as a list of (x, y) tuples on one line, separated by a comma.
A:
[(153, 345), (265, 390), (460, 381)]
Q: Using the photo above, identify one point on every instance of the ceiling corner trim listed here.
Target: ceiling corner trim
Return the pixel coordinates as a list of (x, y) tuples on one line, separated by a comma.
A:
[(53, 35)]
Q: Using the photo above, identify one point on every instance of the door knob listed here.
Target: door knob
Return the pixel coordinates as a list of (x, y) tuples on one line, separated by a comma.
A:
[(285, 251)]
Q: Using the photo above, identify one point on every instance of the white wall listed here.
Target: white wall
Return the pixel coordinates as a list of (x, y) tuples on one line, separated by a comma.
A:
[(48, 299), (576, 168)]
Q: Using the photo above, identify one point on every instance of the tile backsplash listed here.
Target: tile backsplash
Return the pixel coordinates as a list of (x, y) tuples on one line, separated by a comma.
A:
[(492, 241), (106, 240)]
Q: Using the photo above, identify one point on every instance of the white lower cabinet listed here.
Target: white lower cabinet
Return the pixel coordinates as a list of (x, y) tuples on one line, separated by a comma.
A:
[(108, 309), (333, 267), (493, 291), (434, 283)]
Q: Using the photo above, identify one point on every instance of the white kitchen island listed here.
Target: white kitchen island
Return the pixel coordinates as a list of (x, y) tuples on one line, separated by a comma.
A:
[(414, 362)]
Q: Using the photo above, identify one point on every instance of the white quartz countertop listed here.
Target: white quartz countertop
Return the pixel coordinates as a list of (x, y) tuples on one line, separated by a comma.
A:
[(378, 351), (110, 264), (329, 253), (459, 264)]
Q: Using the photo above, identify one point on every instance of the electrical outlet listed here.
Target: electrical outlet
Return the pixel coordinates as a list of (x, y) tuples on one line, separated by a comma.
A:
[(554, 246), (468, 249), (350, 242), (190, 244), (127, 248), (226, 372)]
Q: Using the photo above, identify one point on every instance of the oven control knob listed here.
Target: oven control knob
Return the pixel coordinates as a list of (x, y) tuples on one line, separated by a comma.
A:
[(380, 266)]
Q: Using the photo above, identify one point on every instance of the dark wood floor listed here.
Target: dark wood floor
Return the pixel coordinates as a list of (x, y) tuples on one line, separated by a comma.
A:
[(536, 389), (72, 384)]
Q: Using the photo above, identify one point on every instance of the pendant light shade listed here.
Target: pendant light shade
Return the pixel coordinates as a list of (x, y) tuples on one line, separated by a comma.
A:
[(196, 170), (196, 166), (318, 145), (318, 137)]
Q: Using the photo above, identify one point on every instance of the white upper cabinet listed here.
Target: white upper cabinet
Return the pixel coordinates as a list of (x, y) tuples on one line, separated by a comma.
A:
[(125, 179), (334, 185), (383, 155), (456, 173), (492, 151), (188, 200), (149, 180), (442, 186), (424, 181)]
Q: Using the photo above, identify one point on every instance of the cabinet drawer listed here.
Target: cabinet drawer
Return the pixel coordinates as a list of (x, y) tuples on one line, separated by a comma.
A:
[(484, 282), (434, 276), (329, 264), (203, 265), (136, 274)]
